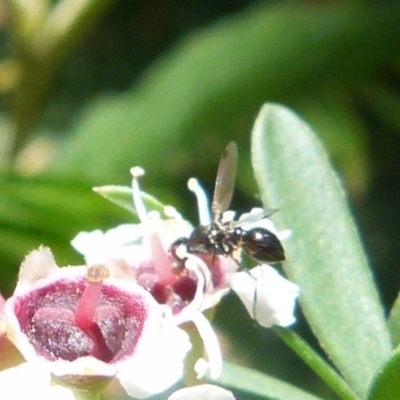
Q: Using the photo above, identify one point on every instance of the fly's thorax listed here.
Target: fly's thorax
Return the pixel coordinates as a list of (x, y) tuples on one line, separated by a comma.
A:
[(200, 240)]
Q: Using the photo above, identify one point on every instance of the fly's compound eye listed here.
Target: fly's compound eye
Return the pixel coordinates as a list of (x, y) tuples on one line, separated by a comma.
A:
[(262, 245)]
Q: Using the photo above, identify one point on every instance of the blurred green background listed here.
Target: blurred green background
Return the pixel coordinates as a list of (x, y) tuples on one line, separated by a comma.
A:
[(91, 88)]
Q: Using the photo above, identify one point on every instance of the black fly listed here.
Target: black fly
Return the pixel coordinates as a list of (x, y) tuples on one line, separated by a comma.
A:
[(226, 238)]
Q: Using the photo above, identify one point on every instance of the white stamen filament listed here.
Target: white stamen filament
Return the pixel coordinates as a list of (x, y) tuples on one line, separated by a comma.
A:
[(161, 262), (159, 255), (181, 252), (172, 212), (194, 264), (136, 173), (211, 347), (193, 313), (203, 276), (202, 201)]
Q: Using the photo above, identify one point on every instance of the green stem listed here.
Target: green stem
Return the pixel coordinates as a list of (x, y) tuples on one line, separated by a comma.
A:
[(85, 395), (83, 387), (67, 24), (316, 363), (42, 37)]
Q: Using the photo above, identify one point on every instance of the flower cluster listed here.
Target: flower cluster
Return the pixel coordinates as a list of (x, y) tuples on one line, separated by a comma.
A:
[(120, 315)]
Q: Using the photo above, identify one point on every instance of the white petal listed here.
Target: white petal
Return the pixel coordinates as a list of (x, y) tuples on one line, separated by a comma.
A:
[(124, 234), (268, 297), (175, 229), (284, 235), (203, 392), (128, 241), (87, 242), (37, 265), (158, 363), (82, 366), (228, 216), (59, 393), (123, 242), (214, 294), (30, 381)]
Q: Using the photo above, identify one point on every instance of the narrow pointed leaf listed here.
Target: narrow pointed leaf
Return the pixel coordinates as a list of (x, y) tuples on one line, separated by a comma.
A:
[(394, 322), (386, 386), (325, 257), (255, 382), (122, 196), (317, 363), (218, 76)]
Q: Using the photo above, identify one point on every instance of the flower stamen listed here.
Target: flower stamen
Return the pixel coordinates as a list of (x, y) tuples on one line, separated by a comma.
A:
[(199, 268), (136, 173), (159, 255), (202, 201), (87, 304), (211, 346), (161, 261)]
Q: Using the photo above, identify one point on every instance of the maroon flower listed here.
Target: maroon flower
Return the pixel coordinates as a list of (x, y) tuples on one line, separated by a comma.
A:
[(92, 324)]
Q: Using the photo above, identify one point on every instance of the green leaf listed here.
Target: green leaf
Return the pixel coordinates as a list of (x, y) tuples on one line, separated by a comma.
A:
[(394, 322), (212, 83), (316, 362), (341, 130), (324, 254), (122, 196), (384, 102), (249, 380), (37, 211), (386, 385)]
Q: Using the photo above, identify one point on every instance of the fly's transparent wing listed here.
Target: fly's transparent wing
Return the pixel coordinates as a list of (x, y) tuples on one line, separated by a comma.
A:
[(251, 217), (225, 181)]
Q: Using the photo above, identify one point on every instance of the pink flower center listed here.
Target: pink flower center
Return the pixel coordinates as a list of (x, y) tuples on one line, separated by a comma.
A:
[(177, 285), (71, 319), (175, 289)]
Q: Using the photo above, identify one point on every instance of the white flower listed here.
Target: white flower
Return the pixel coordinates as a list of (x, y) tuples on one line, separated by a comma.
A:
[(203, 392), (123, 242), (186, 285), (29, 381), (156, 373), (89, 324), (190, 282), (268, 297)]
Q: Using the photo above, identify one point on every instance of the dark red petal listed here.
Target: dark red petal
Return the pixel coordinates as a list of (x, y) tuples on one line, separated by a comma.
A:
[(185, 288), (46, 316)]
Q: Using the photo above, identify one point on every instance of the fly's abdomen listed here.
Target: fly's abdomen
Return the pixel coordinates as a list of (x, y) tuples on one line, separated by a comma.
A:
[(262, 245)]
